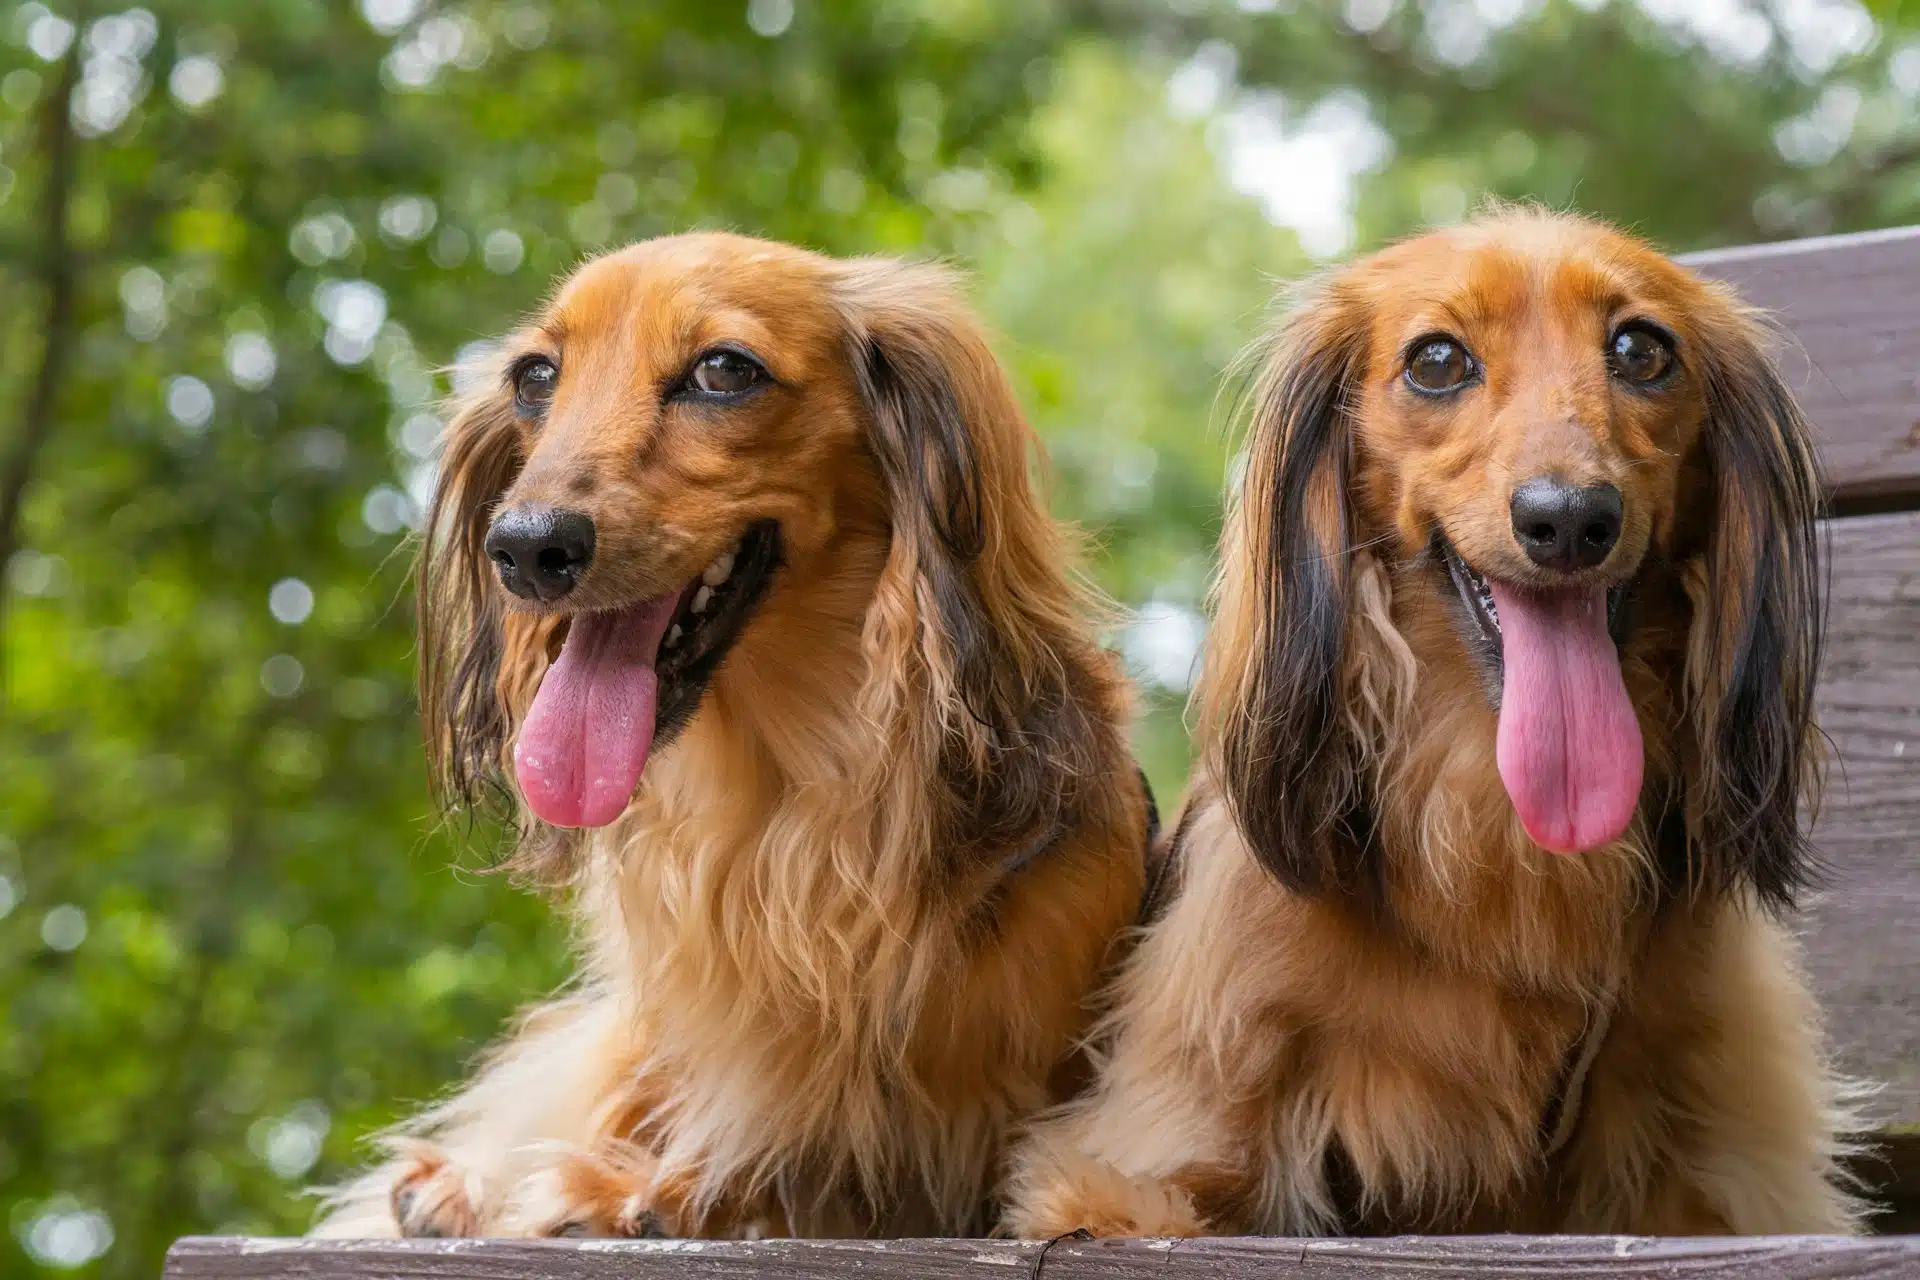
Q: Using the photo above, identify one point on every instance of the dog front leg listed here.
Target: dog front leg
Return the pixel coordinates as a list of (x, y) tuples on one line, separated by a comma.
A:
[(1153, 1150), (551, 1084)]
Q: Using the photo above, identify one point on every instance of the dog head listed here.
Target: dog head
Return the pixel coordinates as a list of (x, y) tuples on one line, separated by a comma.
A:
[(1545, 414), (703, 454)]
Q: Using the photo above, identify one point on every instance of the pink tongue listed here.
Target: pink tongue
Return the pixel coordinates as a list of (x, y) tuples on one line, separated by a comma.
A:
[(585, 740), (1569, 748)]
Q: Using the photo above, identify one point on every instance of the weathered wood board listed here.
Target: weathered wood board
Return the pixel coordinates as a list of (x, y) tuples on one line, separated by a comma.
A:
[(1852, 305), (1863, 933), (1429, 1258)]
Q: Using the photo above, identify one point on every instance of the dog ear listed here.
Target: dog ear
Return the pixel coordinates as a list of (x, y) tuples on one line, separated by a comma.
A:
[(1759, 618), (1276, 688), (461, 628), (974, 593)]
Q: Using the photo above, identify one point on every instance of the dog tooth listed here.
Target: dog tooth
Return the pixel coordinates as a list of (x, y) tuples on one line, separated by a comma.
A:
[(702, 598), (673, 634), (720, 570)]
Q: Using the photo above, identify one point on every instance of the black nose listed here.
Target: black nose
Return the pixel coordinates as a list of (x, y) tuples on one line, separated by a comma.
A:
[(541, 552), (1566, 528)]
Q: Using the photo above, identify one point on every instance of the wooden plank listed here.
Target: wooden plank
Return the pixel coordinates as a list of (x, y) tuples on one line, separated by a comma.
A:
[(1852, 305), (1776, 1257), (1863, 933)]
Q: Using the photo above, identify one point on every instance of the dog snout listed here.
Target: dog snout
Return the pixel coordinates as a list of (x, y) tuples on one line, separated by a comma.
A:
[(1563, 526), (540, 551)]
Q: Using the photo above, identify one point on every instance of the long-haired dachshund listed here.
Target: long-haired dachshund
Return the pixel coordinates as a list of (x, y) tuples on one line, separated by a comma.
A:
[(1506, 726), (737, 559)]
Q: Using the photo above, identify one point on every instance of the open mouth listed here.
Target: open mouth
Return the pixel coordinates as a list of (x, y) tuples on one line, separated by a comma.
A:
[(713, 609), (1483, 635), (1569, 747), (629, 679)]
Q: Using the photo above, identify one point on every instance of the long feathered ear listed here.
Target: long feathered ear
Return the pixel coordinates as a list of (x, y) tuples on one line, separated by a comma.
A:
[(975, 593), (1275, 690), (1760, 615), (460, 617)]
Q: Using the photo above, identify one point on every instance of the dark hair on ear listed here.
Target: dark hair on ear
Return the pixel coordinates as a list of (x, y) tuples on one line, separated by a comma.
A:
[(1760, 626), (925, 450), (460, 622), (976, 562), (1276, 685)]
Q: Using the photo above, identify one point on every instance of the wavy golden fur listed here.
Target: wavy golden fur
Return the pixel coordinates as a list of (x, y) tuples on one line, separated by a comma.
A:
[(1374, 1003), (842, 940)]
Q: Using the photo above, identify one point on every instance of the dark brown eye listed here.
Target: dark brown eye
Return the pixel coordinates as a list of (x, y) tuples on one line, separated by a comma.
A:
[(725, 374), (1438, 365), (533, 383), (1640, 354)]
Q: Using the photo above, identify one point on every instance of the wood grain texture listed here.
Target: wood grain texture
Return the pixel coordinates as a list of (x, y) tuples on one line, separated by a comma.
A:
[(1852, 306), (1432, 1258), (1863, 932)]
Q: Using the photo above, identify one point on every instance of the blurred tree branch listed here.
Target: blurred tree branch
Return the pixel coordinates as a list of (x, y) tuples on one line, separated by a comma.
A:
[(1543, 84), (58, 277)]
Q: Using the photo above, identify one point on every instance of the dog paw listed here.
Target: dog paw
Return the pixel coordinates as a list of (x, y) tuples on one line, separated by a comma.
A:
[(431, 1197), (582, 1195), (1095, 1199)]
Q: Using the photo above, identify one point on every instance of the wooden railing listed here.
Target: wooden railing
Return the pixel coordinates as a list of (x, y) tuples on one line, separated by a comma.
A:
[(1852, 307)]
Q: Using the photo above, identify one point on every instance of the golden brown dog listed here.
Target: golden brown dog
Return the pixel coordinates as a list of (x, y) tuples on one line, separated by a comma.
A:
[(739, 556), (1506, 724)]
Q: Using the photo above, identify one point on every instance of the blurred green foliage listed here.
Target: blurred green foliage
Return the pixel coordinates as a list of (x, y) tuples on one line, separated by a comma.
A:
[(239, 237)]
